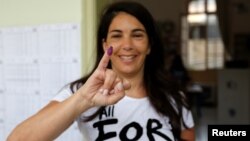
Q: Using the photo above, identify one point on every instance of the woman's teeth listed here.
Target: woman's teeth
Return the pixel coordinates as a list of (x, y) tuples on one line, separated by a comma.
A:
[(127, 58)]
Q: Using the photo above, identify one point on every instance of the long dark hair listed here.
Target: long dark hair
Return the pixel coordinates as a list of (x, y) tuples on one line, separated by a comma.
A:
[(161, 92)]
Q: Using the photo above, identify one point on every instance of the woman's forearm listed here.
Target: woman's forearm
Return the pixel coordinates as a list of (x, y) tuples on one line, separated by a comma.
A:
[(51, 121)]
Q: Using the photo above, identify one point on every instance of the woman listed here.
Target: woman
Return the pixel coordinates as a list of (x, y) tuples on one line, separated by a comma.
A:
[(126, 96)]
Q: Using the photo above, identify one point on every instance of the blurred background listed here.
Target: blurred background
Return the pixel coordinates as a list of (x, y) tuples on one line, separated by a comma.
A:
[(45, 44)]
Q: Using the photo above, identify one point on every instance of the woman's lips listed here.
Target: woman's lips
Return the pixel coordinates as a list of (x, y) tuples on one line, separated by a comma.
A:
[(127, 58)]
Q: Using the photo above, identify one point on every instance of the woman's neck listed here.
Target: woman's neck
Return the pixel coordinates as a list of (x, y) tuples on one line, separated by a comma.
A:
[(137, 89)]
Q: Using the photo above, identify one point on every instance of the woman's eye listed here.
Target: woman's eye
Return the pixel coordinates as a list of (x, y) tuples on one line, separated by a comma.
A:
[(115, 36), (138, 35)]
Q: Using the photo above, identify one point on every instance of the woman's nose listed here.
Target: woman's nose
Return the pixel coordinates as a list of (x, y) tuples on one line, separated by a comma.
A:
[(127, 44)]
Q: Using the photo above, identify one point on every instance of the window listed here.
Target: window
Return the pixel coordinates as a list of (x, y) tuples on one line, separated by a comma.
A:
[(202, 47)]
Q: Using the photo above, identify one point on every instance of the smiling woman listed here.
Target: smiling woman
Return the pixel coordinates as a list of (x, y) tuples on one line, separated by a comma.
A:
[(131, 46), (127, 95)]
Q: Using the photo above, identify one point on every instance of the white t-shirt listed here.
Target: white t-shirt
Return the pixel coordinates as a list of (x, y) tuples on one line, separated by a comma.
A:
[(129, 119)]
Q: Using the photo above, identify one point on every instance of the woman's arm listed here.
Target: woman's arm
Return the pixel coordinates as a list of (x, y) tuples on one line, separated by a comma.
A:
[(188, 134), (51, 121)]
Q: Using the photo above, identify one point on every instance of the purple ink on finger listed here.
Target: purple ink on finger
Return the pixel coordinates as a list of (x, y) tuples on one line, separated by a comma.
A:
[(110, 50)]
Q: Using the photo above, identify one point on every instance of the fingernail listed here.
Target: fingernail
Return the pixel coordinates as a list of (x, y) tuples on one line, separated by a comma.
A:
[(120, 86), (105, 92), (110, 50), (101, 91)]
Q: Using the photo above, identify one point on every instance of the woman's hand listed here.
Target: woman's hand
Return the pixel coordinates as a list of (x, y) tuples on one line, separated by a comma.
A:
[(103, 87)]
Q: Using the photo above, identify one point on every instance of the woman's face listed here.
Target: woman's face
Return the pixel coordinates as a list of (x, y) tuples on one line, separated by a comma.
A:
[(130, 44)]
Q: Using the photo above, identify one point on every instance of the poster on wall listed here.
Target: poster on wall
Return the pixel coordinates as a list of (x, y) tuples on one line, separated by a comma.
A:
[(35, 63)]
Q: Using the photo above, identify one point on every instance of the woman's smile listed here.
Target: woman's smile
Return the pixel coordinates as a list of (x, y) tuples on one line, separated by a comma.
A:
[(127, 58)]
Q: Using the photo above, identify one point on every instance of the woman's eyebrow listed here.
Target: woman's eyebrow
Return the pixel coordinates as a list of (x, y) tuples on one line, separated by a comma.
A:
[(115, 30), (138, 29), (134, 30)]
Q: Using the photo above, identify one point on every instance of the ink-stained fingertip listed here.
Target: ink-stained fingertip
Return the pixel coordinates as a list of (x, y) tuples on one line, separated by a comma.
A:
[(110, 50)]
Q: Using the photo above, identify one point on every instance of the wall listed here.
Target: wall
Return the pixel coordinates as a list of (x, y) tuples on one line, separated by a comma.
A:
[(239, 13), (30, 12), (19, 49), (239, 16), (37, 12)]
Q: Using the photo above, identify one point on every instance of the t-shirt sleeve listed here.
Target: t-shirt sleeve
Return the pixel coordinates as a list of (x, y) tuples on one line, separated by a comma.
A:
[(63, 94), (187, 118)]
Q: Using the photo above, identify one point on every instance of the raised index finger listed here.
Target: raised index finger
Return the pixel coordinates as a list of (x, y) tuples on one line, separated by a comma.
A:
[(105, 59)]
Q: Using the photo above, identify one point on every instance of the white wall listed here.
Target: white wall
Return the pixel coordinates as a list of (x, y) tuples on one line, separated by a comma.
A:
[(30, 12), (37, 12)]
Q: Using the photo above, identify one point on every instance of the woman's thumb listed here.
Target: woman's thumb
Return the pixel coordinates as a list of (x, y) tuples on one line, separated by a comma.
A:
[(126, 84)]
